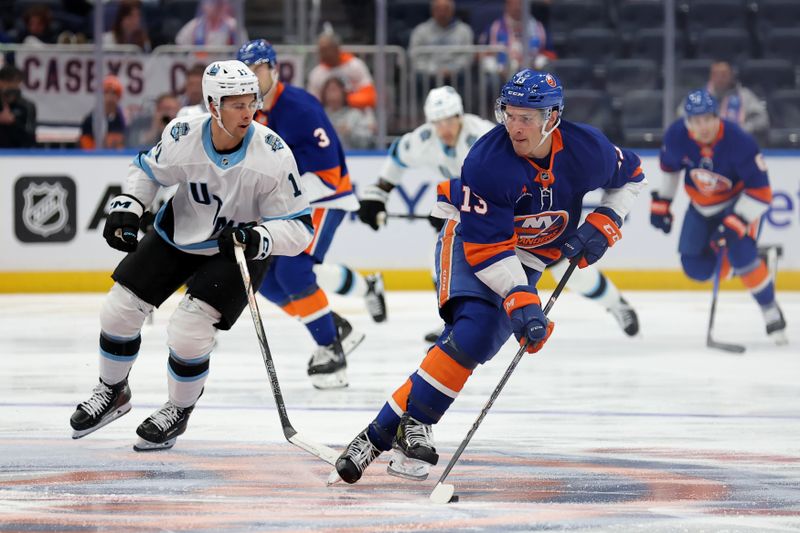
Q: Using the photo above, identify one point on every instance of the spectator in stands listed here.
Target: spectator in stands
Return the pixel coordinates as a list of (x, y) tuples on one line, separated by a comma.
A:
[(356, 127), (128, 27), (347, 67), (145, 131), (38, 21), (214, 25), (737, 103), (17, 114), (115, 120), (507, 30), (191, 99), (442, 29)]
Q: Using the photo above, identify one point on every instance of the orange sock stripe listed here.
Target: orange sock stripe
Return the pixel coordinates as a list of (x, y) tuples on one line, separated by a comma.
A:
[(289, 309), (313, 303), (445, 370), (400, 396), (757, 277), (446, 262)]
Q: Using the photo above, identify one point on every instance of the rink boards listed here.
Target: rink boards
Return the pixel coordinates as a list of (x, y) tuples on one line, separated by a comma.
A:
[(55, 210)]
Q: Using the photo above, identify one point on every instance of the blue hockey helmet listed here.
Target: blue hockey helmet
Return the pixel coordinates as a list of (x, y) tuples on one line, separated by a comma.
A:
[(700, 102), (533, 89), (256, 52)]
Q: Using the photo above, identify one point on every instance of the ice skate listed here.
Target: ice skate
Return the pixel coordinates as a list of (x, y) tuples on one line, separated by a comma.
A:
[(434, 335), (348, 337), (160, 430), (358, 456), (108, 402), (775, 323), (375, 297), (327, 367), (414, 452), (625, 316)]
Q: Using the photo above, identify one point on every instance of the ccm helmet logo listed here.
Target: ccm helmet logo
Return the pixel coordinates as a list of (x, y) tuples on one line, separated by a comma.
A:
[(515, 93)]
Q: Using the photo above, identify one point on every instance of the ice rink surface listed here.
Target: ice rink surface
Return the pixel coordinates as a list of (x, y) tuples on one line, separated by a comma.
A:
[(598, 432)]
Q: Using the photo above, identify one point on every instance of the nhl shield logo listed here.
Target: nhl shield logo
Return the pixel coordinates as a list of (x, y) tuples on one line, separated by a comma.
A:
[(45, 209)]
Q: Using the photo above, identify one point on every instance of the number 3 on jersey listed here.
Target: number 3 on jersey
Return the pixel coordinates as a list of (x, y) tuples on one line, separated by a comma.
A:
[(466, 206), (320, 134)]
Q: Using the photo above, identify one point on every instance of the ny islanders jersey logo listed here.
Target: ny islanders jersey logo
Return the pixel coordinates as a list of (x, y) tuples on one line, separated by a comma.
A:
[(537, 230), (709, 183)]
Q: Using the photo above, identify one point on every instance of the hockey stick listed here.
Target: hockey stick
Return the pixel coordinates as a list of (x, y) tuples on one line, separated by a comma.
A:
[(327, 454), (710, 342), (443, 492)]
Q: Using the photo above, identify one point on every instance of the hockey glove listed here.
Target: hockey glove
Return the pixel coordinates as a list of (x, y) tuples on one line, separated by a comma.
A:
[(373, 206), (121, 231), (527, 319), (660, 215), (255, 239), (594, 236), (732, 227)]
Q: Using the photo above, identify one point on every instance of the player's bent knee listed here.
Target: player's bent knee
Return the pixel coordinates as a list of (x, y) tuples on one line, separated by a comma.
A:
[(123, 313), (699, 268), (479, 330), (191, 331)]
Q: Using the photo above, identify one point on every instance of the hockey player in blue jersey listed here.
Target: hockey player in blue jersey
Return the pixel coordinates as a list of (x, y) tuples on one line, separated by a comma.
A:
[(726, 179), (293, 283), (515, 210)]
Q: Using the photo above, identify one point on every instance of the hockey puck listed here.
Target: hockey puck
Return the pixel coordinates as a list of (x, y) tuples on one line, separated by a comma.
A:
[(453, 499)]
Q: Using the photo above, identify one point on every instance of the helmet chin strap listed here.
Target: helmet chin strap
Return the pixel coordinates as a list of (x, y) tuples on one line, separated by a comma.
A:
[(218, 118), (545, 132)]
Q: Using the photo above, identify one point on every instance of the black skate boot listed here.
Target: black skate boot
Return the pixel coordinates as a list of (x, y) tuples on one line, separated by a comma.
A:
[(414, 452), (348, 337), (160, 430), (776, 324), (434, 335), (108, 402), (358, 456), (375, 298), (625, 316), (327, 367)]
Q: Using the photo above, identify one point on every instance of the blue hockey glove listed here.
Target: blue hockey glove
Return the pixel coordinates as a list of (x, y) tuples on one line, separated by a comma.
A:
[(255, 239), (594, 236), (121, 231), (660, 215), (527, 319)]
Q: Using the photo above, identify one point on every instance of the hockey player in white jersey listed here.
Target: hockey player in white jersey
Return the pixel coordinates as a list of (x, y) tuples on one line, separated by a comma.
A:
[(442, 143), (236, 186)]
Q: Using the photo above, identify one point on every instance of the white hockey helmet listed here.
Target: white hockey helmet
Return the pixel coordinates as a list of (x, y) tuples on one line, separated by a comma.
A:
[(443, 102), (228, 78)]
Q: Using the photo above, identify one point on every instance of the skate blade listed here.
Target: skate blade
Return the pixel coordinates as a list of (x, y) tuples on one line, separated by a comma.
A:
[(333, 478), (335, 380), (352, 341), (407, 468), (142, 445), (779, 338), (122, 410)]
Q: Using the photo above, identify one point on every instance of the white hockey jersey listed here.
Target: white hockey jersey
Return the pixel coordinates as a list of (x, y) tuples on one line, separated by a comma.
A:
[(422, 148), (258, 182)]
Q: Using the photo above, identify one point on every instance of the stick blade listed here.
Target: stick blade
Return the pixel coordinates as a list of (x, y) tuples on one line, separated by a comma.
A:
[(442, 493), (725, 346), (326, 453)]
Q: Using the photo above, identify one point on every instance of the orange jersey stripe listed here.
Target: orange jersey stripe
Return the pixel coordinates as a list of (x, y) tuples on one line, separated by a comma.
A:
[(317, 218), (443, 188), (550, 253), (445, 369), (334, 178), (476, 253), (763, 194), (311, 304), (704, 200), (400, 396), (446, 262)]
